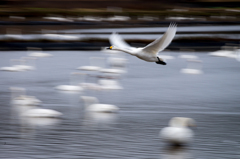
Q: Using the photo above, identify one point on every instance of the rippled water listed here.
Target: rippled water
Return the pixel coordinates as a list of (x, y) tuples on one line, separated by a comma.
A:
[(152, 94)]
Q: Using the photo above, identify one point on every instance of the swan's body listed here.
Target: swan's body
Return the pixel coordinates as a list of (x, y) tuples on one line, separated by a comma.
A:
[(14, 68), (113, 70), (74, 85), (96, 63), (109, 84), (39, 54), (18, 97), (194, 67), (26, 100), (92, 105), (42, 113), (226, 53), (89, 68), (148, 53), (178, 131), (69, 88), (17, 67), (24, 66), (27, 106), (185, 56)]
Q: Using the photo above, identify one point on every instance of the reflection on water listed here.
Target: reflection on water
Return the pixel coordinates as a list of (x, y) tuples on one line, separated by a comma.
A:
[(99, 120), (176, 152)]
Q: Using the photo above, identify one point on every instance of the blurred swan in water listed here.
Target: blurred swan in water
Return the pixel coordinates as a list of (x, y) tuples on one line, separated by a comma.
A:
[(41, 113), (18, 97), (74, 85), (186, 56), (117, 65), (178, 133), (16, 67), (28, 63), (103, 120), (27, 106), (37, 52), (109, 84), (149, 52), (227, 51), (194, 67), (92, 105), (189, 55), (96, 63)]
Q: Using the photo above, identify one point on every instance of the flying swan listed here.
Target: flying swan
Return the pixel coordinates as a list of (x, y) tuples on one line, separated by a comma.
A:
[(148, 53)]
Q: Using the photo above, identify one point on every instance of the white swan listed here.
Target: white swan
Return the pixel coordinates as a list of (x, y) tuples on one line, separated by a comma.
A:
[(148, 53), (117, 65), (37, 52), (96, 63), (18, 97), (194, 67), (178, 132), (227, 51), (40, 54), (12, 69), (92, 105), (28, 63), (109, 84), (74, 85), (15, 67), (41, 113), (185, 56)]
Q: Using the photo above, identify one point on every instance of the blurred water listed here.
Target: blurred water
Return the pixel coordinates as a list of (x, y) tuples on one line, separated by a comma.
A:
[(157, 29), (152, 95)]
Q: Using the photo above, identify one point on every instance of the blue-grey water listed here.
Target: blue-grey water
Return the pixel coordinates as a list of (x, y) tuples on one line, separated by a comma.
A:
[(152, 95)]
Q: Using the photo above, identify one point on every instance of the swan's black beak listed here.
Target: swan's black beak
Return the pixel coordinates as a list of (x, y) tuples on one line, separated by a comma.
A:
[(160, 61)]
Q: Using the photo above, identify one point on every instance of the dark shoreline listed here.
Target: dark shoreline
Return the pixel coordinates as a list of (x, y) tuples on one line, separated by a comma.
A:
[(197, 45)]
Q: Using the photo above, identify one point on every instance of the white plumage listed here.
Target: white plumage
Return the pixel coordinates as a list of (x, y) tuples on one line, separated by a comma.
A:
[(92, 105), (74, 86), (42, 113), (178, 132), (148, 53)]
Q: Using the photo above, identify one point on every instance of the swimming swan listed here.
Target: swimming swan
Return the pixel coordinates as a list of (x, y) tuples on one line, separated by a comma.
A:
[(41, 113), (19, 97), (148, 53), (74, 85), (92, 105), (178, 132)]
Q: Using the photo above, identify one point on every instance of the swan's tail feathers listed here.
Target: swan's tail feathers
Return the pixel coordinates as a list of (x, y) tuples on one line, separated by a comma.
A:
[(162, 42)]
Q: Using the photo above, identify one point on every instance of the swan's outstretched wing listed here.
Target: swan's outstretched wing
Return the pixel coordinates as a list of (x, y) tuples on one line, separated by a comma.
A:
[(161, 43), (117, 41)]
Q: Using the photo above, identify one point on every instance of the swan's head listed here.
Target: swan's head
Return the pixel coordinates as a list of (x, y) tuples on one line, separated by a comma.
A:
[(182, 122), (88, 100), (160, 61), (112, 48)]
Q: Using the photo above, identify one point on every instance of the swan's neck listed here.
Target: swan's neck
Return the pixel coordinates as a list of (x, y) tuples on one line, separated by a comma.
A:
[(87, 100), (123, 50), (178, 122)]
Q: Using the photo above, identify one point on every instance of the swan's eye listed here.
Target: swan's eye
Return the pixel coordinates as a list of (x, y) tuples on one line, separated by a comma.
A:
[(111, 47)]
